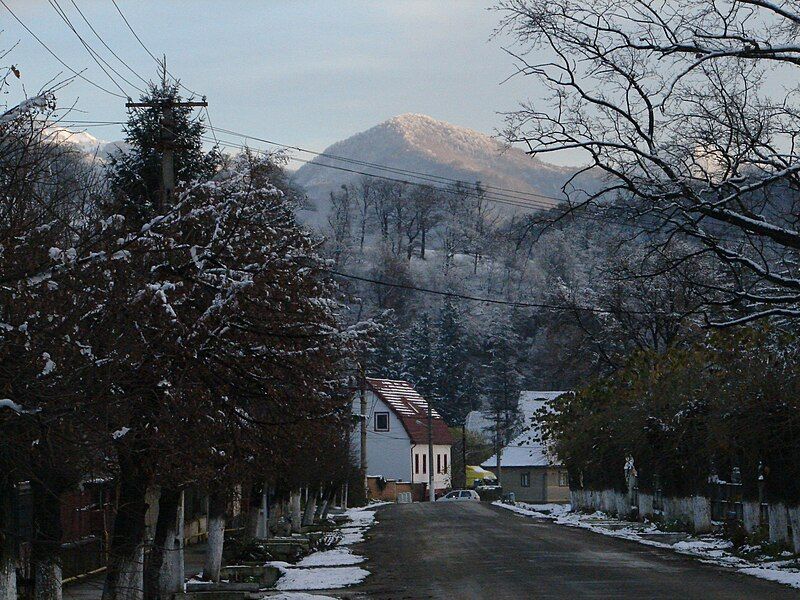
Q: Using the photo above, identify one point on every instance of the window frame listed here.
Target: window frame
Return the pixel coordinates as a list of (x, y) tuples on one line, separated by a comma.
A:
[(375, 421), (563, 479), (525, 479)]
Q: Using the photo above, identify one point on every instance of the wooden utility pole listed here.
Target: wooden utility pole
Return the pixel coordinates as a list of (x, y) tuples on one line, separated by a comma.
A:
[(167, 142), (363, 409), (431, 491)]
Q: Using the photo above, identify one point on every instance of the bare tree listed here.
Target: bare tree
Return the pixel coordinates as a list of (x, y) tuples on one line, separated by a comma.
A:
[(670, 102)]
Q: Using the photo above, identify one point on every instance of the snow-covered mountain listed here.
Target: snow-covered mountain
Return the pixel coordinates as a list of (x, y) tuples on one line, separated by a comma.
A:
[(85, 142), (415, 142)]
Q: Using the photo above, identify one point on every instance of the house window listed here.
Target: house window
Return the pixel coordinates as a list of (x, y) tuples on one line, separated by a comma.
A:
[(438, 463), (416, 464), (381, 421), (525, 479), (445, 463), (563, 478), (424, 464)]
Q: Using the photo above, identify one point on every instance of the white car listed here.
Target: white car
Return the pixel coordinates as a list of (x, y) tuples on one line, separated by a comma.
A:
[(460, 496)]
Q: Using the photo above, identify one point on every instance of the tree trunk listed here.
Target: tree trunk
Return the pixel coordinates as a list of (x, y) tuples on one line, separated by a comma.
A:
[(46, 547), (751, 515), (216, 536), (344, 494), (778, 525), (326, 505), (702, 514), (8, 545), (124, 576), (794, 521), (163, 576), (464, 452), (296, 513), (311, 508)]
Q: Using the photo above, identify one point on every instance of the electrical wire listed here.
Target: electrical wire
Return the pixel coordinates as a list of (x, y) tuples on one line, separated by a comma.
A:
[(78, 74), (95, 56), (146, 49), (99, 37)]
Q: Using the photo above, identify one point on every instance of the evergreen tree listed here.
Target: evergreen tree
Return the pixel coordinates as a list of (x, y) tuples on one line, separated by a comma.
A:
[(418, 356), (134, 173), (502, 380), (452, 374), (385, 357)]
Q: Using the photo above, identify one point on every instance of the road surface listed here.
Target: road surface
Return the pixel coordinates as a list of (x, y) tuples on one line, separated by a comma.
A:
[(464, 551)]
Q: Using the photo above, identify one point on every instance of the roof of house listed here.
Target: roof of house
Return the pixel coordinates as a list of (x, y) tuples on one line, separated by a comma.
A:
[(529, 402), (527, 450), (412, 410)]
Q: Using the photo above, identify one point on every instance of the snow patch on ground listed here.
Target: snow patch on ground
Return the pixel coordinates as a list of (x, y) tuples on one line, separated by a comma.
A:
[(709, 548), (331, 558), (322, 578), (330, 569), (298, 596)]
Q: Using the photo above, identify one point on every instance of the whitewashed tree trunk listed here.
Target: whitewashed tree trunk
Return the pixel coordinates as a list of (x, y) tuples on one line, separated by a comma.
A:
[(344, 495), (751, 515), (702, 514), (623, 503), (128, 582), (680, 510), (48, 580), (8, 543), (645, 505), (310, 510), (794, 521), (214, 548), (165, 571), (217, 506), (8, 578), (778, 524), (296, 514)]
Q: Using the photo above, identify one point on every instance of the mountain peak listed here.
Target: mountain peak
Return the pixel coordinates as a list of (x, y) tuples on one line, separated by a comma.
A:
[(412, 143)]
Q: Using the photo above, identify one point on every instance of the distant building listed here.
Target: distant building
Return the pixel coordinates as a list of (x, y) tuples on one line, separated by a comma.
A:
[(397, 435), (529, 468)]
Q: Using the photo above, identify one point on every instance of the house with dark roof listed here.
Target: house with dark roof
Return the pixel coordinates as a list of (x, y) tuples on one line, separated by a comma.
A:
[(397, 434), (529, 467)]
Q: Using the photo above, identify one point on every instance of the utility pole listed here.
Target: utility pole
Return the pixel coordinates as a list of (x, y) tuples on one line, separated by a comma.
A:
[(431, 491), (499, 447), (363, 398), (167, 142)]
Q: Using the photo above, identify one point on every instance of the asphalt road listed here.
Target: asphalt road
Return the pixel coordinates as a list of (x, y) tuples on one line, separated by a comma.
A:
[(461, 551)]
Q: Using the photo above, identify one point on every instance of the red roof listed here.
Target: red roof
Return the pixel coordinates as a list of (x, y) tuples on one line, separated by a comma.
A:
[(412, 410)]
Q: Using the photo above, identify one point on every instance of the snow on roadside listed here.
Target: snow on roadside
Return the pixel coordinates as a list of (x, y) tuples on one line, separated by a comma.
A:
[(331, 558), (710, 548), (298, 596), (330, 569)]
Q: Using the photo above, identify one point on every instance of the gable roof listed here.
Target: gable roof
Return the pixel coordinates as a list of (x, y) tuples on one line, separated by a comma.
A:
[(527, 450), (411, 409)]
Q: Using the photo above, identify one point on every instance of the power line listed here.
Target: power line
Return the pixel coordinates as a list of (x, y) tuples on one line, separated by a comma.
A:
[(511, 194), (146, 49), (95, 56), (78, 74), (495, 300), (99, 37)]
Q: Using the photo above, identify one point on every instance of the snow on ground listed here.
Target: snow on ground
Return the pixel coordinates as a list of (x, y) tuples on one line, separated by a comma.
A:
[(329, 569), (298, 596), (711, 548), (322, 578), (331, 558)]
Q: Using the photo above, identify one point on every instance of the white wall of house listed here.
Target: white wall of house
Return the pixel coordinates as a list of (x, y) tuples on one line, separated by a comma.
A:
[(419, 465), (388, 452)]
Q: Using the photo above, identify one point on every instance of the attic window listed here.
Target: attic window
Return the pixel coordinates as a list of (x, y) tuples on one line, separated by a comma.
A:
[(381, 421)]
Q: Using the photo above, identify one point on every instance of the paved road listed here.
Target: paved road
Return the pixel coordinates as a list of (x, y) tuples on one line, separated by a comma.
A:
[(464, 551)]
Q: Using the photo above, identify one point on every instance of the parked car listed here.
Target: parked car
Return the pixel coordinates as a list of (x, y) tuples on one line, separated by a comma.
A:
[(460, 496)]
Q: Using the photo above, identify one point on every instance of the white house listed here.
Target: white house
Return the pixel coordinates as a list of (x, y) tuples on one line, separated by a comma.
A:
[(397, 434)]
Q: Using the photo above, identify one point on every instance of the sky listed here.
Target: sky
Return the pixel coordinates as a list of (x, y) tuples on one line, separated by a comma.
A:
[(299, 72)]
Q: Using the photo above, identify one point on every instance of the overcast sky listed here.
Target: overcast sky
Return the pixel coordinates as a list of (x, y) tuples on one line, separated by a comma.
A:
[(300, 72)]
